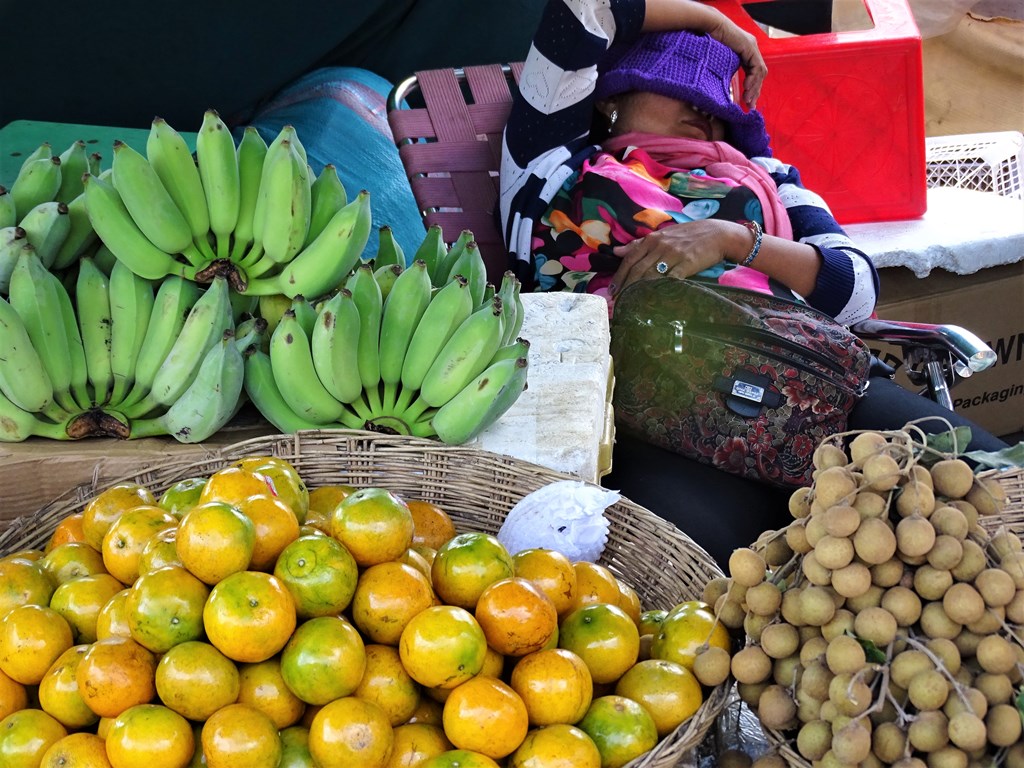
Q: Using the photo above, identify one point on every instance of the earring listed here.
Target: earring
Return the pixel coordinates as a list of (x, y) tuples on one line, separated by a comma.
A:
[(613, 116)]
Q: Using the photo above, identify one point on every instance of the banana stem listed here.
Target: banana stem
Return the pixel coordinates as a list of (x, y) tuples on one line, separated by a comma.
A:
[(147, 428), (66, 401), (422, 428), (362, 409), (222, 246), (373, 399), (195, 258), (82, 397), (54, 412), (390, 398), (117, 394), (140, 408), (253, 256), (204, 248), (262, 265), (350, 420), (240, 251), (405, 396), (414, 411)]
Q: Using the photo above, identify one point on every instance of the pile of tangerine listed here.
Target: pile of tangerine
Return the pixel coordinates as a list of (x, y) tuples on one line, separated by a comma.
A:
[(243, 620)]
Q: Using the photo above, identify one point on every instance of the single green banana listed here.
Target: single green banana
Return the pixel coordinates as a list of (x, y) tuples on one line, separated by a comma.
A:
[(46, 227), (287, 208), (209, 317), (278, 152), (76, 350), (8, 215), (518, 348), (92, 300), (367, 297), (23, 377), (209, 401), (289, 134), (11, 240), (295, 374), (403, 308), (481, 402), (173, 303), (250, 331), (323, 265), (386, 277), (511, 334), (18, 425), (34, 296), (262, 391), (305, 313), (95, 163), (464, 356), (172, 160), (252, 150), (271, 307), (327, 196), (218, 170), (335, 347), (388, 249), (151, 206), (80, 238), (37, 182), (448, 309), (131, 306), (74, 163), (433, 251), (105, 260), (119, 232), (242, 305), (508, 292), (471, 266), (43, 152)]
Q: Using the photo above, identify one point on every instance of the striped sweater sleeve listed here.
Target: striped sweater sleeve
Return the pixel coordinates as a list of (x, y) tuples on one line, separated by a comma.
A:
[(546, 138), (847, 285)]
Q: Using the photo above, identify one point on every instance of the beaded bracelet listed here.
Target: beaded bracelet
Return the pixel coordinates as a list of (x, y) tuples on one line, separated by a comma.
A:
[(758, 233)]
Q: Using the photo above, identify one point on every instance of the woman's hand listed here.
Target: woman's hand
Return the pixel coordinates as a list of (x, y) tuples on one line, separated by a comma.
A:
[(686, 249), (745, 45)]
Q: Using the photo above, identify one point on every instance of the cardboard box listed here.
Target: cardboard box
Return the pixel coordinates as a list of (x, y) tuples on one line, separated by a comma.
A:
[(989, 303)]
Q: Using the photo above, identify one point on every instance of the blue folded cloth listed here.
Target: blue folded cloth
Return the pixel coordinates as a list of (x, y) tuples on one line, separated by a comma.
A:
[(340, 116)]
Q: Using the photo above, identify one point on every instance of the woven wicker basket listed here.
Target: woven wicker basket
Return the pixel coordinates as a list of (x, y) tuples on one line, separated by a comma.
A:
[(1012, 516), (477, 489)]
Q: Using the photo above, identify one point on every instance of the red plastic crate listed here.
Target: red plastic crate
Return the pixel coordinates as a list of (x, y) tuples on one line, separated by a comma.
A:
[(847, 109)]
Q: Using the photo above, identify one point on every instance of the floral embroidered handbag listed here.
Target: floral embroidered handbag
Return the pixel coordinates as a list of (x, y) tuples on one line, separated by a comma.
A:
[(745, 381)]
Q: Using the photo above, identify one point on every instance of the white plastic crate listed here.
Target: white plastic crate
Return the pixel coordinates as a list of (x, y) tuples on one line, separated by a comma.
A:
[(990, 162)]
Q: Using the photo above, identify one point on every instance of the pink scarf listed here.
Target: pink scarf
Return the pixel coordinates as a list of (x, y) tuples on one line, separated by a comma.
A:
[(718, 159)]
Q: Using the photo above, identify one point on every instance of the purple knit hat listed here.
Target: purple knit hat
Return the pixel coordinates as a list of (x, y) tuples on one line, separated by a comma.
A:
[(690, 67)]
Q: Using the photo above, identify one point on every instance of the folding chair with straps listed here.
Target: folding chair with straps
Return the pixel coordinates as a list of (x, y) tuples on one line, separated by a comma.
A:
[(450, 147)]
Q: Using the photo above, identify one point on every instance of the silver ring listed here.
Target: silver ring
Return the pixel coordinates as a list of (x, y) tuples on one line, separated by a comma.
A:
[(662, 267)]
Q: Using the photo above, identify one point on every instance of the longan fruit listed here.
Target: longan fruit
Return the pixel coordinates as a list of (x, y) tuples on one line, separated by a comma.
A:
[(815, 680), (790, 608), (928, 731), (870, 505), (787, 671), (799, 502), (1015, 756), (814, 739), (952, 478), (947, 652), (915, 499), (1015, 608), (827, 455), (946, 552), (874, 541), (833, 551), (816, 606), (967, 731), (995, 586), (987, 495), (845, 655), (749, 693), (934, 622), (711, 666), (777, 552), (812, 650), (852, 580), (814, 528), (840, 624), (910, 762), (991, 621), (948, 757), (850, 694), (881, 472), (729, 612), (950, 521), (1013, 564), (780, 640), (851, 744), (929, 690), (967, 642), (918, 474), (875, 624), (914, 535), (776, 708), (968, 510), (997, 689), (1003, 725), (870, 599), (888, 742), (714, 589), (796, 537), (751, 665), (746, 567), (906, 665), (995, 654), (963, 604), (1004, 542), (865, 445), (972, 562), (889, 573), (753, 625), (770, 761), (833, 486), (841, 520), (904, 604), (813, 570), (764, 599)]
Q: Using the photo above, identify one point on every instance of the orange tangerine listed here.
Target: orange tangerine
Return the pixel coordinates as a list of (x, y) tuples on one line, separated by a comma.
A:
[(113, 616), (485, 715), (432, 526), (249, 616), (556, 746), (262, 685), (165, 607), (25, 736), (554, 684), (240, 735), (442, 646), (234, 484), (516, 616), (77, 750), (550, 570), (322, 502), (629, 601), (459, 758), (386, 683), (123, 542), (80, 601), (70, 560), (467, 564), (494, 664), (31, 639), (595, 583), (67, 530), (150, 735), (160, 550), (31, 554), (215, 540), (319, 573), (374, 524), (275, 527), (667, 690), (195, 680), (182, 495), (116, 673), (58, 691), (603, 636), (349, 732), (427, 711), (104, 508), (621, 729), (651, 620), (324, 660), (23, 582), (13, 695), (416, 559), (288, 484), (295, 748), (416, 742), (685, 630), (387, 596)]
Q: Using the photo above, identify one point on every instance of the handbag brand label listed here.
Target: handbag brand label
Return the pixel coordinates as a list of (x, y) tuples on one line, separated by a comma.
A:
[(748, 391)]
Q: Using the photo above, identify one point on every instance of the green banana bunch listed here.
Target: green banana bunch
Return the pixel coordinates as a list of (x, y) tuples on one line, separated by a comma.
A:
[(482, 402), (219, 173), (262, 390), (17, 424), (286, 208)]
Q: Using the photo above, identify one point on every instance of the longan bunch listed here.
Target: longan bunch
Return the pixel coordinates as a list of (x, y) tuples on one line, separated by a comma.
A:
[(883, 625)]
